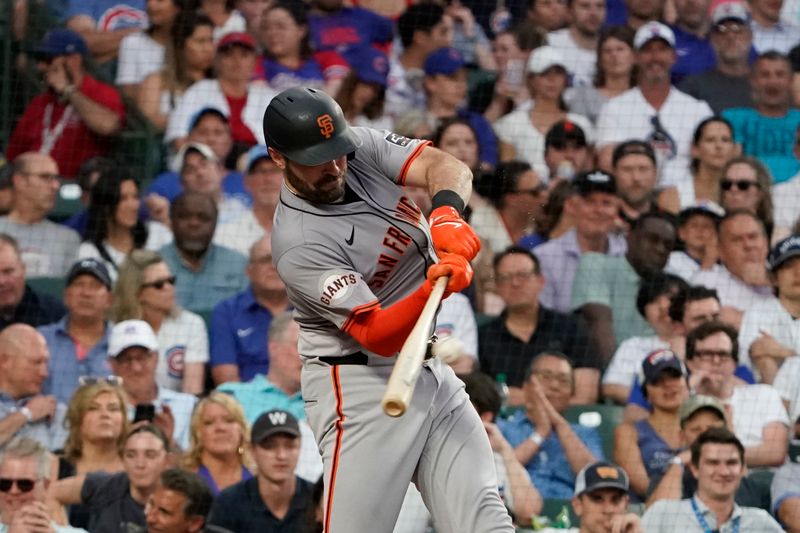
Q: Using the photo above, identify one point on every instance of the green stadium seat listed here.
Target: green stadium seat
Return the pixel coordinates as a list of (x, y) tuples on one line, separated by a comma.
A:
[(600, 416), (51, 286), (552, 507)]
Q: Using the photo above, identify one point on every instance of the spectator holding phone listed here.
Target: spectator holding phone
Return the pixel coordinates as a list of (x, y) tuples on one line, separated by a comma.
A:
[(133, 356)]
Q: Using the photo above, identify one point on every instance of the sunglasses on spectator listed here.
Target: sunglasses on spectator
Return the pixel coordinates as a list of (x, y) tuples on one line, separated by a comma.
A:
[(24, 485), (160, 283), (742, 185), (114, 381)]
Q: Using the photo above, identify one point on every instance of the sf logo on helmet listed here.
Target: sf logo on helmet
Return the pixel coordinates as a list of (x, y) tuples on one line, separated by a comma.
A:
[(325, 123)]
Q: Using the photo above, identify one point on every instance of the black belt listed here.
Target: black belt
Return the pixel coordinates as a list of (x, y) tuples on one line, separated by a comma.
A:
[(357, 358)]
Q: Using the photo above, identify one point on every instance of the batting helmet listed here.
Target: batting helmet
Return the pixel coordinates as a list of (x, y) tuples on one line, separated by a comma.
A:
[(308, 127)]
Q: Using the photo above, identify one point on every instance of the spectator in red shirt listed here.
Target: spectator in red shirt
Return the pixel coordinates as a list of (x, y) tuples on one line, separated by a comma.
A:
[(73, 120)]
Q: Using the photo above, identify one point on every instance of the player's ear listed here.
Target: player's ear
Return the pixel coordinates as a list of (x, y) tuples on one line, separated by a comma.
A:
[(278, 158)]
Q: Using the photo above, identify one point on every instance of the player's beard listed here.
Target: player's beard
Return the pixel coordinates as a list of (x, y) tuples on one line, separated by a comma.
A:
[(313, 193)]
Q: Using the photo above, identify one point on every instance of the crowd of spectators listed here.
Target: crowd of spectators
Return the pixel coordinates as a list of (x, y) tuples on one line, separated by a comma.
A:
[(636, 188)]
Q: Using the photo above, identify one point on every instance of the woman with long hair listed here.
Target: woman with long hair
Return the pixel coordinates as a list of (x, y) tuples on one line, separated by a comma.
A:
[(188, 59), (219, 437), (615, 73), (712, 147), (145, 290), (142, 53), (114, 228), (289, 60), (645, 448), (223, 14), (363, 91), (522, 132), (98, 422), (747, 184)]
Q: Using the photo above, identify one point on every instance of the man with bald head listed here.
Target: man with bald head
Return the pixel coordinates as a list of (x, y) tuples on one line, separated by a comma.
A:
[(240, 323), (18, 302), (47, 249), (24, 410), (207, 273)]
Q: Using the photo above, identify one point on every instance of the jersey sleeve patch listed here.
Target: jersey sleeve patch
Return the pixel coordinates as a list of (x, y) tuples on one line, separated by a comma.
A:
[(399, 140), (336, 286)]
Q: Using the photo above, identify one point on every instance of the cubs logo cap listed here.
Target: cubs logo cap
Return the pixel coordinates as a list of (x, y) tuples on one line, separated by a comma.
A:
[(368, 64), (601, 475), (272, 423), (651, 31), (445, 61), (735, 11), (129, 334), (60, 43), (658, 362), (308, 127)]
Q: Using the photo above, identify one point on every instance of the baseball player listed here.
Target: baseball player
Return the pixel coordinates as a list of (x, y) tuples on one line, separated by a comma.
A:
[(358, 260)]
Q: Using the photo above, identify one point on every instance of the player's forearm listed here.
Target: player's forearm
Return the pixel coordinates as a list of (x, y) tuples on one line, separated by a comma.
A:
[(445, 172)]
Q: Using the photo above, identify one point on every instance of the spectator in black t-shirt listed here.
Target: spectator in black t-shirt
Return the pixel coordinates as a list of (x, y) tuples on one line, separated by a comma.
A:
[(18, 302), (508, 344), (180, 504), (116, 501), (250, 506)]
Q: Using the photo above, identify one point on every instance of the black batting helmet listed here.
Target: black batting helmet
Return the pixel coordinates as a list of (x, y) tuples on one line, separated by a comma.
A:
[(308, 127)]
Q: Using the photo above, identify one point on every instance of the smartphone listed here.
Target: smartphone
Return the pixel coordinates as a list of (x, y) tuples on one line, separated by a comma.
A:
[(144, 411)]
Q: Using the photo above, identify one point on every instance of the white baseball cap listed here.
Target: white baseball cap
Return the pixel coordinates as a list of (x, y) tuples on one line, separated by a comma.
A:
[(545, 57), (653, 30), (733, 10), (130, 333), (202, 149)]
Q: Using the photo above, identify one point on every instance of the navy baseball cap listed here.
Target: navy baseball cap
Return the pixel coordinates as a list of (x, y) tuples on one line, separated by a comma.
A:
[(443, 61), (92, 267), (370, 65), (586, 183), (272, 423), (256, 154), (601, 475), (204, 112), (660, 361), (565, 131), (59, 43), (783, 251)]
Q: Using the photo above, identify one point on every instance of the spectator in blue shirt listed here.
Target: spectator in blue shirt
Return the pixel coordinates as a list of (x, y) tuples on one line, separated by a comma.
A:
[(552, 450), (768, 130), (695, 54), (239, 324), (206, 273), (78, 343)]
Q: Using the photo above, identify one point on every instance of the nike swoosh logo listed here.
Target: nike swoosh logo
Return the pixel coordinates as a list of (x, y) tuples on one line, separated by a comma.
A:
[(244, 332), (352, 234)]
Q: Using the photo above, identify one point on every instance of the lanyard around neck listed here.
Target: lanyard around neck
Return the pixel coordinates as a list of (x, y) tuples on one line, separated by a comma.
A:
[(704, 525)]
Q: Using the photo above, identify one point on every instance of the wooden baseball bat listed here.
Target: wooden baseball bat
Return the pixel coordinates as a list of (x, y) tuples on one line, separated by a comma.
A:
[(409, 361)]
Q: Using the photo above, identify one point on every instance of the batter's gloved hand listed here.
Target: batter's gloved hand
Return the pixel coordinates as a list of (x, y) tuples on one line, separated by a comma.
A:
[(451, 234), (454, 265)]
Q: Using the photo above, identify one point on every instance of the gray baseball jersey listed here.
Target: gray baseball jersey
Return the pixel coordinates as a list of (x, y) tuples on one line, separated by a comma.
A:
[(370, 250)]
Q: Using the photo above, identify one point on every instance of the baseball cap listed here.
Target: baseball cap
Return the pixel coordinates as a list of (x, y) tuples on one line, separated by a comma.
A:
[(90, 266), (204, 112), (705, 207), (443, 61), (660, 361), (783, 251), (632, 147), (236, 38), (586, 183), (130, 333), (60, 42), (564, 131), (733, 10), (543, 58), (370, 65), (200, 148), (272, 423), (601, 475), (694, 403), (653, 30), (254, 155)]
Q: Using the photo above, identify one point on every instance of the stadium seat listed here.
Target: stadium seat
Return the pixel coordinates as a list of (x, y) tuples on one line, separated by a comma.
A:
[(51, 286), (600, 416), (552, 507)]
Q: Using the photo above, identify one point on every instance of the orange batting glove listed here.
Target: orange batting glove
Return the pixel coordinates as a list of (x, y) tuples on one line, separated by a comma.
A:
[(451, 234), (453, 265)]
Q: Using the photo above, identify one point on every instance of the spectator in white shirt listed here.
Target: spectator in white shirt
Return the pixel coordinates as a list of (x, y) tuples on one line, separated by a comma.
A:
[(769, 31), (578, 41)]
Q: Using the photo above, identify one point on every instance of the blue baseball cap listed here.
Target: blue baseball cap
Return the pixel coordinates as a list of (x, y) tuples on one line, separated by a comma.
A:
[(60, 43), (443, 61), (256, 154), (370, 65)]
